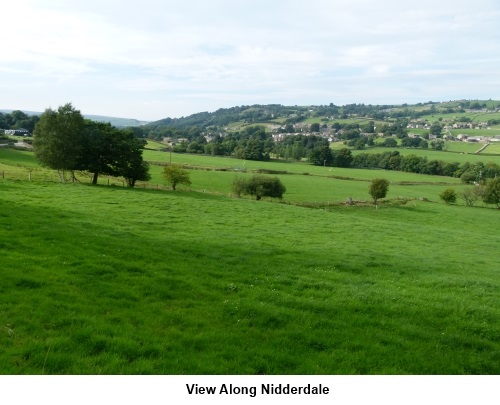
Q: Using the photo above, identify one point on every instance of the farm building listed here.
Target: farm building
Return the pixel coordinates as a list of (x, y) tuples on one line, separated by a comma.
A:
[(18, 132)]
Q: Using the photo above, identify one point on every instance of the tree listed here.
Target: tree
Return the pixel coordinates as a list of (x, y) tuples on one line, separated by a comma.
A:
[(437, 144), (436, 128), (260, 186), (390, 143), (175, 174), (314, 127), (57, 139), (342, 157), (472, 194), (239, 186), (378, 189), (321, 155), (128, 161), (449, 196), (492, 192), (98, 149)]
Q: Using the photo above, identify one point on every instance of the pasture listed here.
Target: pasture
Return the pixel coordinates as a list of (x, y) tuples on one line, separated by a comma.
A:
[(444, 155), (110, 280)]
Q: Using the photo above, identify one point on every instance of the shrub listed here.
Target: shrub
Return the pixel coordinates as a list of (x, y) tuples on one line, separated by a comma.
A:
[(175, 174), (449, 196), (471, 195), (259, 186), (239, 186), (492, 192)]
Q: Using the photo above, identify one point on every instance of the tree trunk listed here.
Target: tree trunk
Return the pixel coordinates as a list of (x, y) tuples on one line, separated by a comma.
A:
[(94, 178)]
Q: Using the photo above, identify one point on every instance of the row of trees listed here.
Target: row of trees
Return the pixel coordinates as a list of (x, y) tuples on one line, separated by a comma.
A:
[(468, 172), (17, 120), (64, 141)]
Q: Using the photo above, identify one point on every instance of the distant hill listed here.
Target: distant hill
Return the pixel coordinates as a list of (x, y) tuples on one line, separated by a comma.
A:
[(115, 121), (279, 114)]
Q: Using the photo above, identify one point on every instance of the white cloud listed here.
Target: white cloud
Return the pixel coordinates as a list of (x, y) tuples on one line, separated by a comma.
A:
[(148, 59)]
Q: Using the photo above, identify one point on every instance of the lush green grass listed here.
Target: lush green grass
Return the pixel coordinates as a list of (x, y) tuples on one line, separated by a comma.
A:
[(492, 148), (321, 184), (113, 280), (444, 155), (475, 132), (155, 145), (464, 147)]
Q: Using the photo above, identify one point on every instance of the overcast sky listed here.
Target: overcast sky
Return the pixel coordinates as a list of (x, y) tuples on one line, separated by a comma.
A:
[(153, 59)]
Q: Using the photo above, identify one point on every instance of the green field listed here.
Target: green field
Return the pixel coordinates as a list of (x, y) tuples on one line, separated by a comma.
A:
[(492, 148), (444, 155), (111, 280)]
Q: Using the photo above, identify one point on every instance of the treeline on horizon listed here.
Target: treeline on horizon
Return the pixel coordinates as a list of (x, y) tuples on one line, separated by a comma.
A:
[(293, 114), (17, 120)]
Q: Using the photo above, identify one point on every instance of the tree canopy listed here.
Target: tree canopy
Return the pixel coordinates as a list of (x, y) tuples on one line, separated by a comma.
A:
[(259, 186), (64, 141), (58, 138), (378, 189)]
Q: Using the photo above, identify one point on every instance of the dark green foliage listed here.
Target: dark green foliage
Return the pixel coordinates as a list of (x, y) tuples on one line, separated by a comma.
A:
[(342, 158), (437, 144), (64, 141), (468, 172), (17, 120), (99, 148), (414, 143), (259, 186), (436, 128), (314, 127), (390, 143), (449, 196), (58, 138), (492, 192), (130, 164), (378, 189), (321, 155), (300, 146)]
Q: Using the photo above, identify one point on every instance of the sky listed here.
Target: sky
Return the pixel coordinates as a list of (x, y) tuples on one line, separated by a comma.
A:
[(153, 59)]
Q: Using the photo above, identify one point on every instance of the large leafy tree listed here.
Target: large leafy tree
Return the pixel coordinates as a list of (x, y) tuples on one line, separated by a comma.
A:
[(57, 138), (342, 157), (99, 152), (321, 155), (128, 161), (64, 141)]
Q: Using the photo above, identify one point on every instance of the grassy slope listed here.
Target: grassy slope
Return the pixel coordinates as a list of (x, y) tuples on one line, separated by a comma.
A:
[(111, 280)]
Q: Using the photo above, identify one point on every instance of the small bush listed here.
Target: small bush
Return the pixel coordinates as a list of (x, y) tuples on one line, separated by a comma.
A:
[(472, 194), (449, 196)]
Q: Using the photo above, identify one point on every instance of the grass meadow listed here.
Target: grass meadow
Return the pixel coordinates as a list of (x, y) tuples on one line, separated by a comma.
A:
[(460, 154), (110, 280)]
